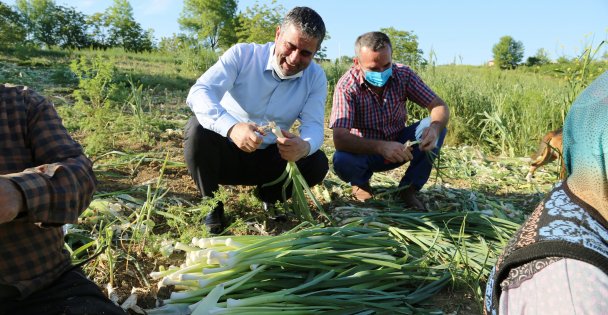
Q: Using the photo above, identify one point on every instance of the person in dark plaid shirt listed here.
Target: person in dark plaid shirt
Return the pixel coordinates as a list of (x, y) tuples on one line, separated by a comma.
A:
[(45, 182), (369, 117)]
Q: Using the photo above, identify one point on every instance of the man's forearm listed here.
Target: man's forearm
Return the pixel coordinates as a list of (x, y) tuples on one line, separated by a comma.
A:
[(354, 144), (440, 115), (56, 193)]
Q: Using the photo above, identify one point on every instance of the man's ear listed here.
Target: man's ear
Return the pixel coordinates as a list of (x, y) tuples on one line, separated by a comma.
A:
[(277, 33), (356, 61)]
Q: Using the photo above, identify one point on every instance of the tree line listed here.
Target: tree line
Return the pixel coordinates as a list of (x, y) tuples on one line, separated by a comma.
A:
[(205, 24), (43, 23)]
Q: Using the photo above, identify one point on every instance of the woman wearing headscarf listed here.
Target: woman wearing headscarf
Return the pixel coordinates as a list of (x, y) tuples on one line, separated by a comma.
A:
[(557, 263)]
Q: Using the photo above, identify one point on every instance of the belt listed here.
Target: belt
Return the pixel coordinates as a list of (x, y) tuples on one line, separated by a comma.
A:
[(9, 292)]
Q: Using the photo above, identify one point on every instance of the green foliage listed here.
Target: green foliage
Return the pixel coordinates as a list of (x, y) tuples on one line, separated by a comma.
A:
[(48, 24), (541, 58), (36, 14), (508, 53), (334, 71), (405, 46), (346, 60), (322, 52), (211, 21), (175, 43), (258, 24), (51, 25), (123, 30), (70, 28), (97, 80), (580, 73), (12, 26), (501, 112)]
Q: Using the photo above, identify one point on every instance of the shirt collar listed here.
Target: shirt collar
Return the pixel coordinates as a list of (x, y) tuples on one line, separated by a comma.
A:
[(270, 56)]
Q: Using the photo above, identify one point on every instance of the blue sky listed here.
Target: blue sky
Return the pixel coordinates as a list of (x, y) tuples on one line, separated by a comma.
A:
[(457, 31)]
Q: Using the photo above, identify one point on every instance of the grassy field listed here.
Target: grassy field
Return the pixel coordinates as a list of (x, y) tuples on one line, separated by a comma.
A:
[(128, 111)]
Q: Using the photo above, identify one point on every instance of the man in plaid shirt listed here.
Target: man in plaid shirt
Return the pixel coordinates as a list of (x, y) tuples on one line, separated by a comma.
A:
[(369, 117), (45, 182)]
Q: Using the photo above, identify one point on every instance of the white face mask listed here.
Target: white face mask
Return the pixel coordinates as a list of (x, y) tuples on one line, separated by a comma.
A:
[(279, 72)]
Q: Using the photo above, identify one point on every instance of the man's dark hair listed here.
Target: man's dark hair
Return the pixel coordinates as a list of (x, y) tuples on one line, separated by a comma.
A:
[(373, 40), (308, 21)]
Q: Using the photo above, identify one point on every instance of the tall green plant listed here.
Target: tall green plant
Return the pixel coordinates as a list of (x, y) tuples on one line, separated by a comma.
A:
[(96, 80), (578, 75)]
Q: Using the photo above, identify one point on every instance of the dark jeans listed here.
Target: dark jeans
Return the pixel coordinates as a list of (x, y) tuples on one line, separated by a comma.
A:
[(71, 294), (214, 160), (357, 169)]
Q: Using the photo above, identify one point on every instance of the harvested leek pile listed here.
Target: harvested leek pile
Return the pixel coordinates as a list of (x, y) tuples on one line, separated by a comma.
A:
[(375, 262)]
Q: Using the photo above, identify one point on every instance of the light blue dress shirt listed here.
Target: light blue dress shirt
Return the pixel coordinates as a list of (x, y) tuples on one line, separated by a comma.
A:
[(242, 87)]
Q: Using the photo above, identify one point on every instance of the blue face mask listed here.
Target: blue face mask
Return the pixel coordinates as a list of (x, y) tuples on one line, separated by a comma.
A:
[(378, 78)]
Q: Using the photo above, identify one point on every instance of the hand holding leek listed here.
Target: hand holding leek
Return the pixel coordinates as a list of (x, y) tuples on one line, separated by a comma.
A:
[(246, 136), (291, 147), (294, 148)]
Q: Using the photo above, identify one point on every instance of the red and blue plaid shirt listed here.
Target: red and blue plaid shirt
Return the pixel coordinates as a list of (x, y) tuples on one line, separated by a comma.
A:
[(366, 114), (56, 181)]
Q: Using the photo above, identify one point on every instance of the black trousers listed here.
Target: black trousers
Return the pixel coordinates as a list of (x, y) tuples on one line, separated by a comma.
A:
[(72, 294), (214, 160)]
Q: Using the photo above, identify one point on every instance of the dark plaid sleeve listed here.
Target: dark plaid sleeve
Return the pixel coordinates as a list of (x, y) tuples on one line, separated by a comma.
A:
[(61, 182)]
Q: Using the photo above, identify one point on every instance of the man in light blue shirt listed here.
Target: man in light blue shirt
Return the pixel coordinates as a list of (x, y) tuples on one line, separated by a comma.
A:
[(250, 86)]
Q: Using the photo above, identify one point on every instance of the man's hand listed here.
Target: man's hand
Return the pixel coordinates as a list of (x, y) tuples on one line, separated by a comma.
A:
[(245, 137), (11, 200), (291, 147), (395, 152), (429, 137)]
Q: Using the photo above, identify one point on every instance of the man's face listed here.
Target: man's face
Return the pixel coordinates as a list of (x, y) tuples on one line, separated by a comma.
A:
[(377, 61), (293, 50)]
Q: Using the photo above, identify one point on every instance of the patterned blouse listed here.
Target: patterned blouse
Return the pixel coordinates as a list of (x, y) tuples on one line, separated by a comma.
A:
[(562, 226)]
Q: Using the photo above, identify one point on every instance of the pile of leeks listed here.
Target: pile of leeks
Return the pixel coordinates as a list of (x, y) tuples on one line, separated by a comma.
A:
[(373, 262)]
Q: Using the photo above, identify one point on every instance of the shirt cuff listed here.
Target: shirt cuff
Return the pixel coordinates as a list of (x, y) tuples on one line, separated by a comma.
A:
[(313, 146), (34, 190), (224, 123)]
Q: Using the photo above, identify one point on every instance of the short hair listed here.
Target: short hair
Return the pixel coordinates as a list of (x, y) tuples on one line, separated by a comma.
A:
[(307, 20), (373, 40)]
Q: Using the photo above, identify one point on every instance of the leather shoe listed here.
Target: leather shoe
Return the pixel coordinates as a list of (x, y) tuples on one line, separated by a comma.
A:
[(362, 192), (408, 196), (215, 221)]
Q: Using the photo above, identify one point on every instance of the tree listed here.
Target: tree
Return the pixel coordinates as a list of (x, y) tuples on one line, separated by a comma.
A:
[(211, 21), (52, 25), (258, 23), (39, 24), (123, 30), (508, 53), (405, 46), (322, 52), (98, 31), (539, 59), (347, 60), (12, 28), (175, 43)]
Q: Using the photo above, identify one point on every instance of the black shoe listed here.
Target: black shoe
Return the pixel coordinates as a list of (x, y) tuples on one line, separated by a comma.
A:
[(215, 221)]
